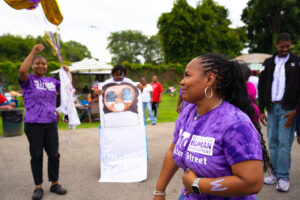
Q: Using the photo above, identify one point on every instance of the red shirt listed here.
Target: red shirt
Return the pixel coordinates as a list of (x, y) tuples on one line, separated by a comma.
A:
[(157, 89), (2, 99)]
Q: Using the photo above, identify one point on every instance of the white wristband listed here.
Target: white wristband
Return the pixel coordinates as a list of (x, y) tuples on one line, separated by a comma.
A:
[(159, 193)]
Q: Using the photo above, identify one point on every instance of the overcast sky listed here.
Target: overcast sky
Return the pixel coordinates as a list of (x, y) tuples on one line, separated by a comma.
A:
[(91, 21)]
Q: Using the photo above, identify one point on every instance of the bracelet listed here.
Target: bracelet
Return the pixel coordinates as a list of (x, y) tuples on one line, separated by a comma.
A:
[(159, 193)]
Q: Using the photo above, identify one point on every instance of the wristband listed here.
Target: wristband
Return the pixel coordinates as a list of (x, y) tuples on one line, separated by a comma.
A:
[(159, 193)]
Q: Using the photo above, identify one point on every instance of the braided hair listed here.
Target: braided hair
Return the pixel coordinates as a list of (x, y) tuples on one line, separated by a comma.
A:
[(231, 86)]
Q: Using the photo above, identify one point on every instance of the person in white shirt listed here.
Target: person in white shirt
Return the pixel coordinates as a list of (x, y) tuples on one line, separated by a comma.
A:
[(146, 90)]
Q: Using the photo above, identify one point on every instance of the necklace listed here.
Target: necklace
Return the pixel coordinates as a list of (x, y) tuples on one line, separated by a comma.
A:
[(218, 104)]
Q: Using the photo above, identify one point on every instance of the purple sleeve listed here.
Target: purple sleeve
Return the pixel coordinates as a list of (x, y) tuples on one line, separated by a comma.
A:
[(241, 143), (25, 84), (177, 129)]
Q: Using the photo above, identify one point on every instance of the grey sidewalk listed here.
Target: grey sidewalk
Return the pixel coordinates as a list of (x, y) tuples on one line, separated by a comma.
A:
[(80, 169)]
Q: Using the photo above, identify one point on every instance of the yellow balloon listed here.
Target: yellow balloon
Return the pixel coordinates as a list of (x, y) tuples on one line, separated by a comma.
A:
[(52, 11), (19, 4)]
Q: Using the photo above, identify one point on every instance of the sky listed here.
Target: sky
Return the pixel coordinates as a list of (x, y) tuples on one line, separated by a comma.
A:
[(90, 22)]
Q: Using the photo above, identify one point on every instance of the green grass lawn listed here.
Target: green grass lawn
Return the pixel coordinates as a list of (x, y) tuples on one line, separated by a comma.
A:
[(166, 113)]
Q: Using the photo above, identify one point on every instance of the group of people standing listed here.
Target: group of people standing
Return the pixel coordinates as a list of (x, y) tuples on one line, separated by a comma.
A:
[(151, 97), (217, 140)]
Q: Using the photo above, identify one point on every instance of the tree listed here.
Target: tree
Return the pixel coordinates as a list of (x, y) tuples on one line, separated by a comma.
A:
[(187, 32), (153, 52), (15, 48), (126, 46), (265, 19)]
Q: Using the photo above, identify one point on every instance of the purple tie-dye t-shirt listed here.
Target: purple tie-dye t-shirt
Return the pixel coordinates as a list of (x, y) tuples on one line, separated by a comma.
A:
[(213, 142), (40, 99)]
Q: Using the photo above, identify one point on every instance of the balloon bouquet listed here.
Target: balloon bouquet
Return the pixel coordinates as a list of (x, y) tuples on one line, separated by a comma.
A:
[(52, 12)]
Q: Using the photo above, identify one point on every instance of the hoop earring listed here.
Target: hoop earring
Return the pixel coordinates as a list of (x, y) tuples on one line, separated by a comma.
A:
[(211, 92)]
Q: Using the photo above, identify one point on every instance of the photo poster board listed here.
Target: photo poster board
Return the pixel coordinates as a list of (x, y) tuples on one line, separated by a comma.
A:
[(123, 141)]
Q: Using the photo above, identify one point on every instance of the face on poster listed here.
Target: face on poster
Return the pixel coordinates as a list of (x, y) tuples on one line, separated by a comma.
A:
[(120, 105), (119, 98)]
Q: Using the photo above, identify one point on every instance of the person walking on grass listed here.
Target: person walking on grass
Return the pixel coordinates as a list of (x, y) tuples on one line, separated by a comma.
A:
[(147, 98), (157, 93)]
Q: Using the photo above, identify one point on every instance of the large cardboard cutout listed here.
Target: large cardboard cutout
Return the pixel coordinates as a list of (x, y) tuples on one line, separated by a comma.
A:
[(123, 151)]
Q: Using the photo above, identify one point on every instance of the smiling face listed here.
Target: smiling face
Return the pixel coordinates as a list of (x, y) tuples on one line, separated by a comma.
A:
[(39, 66), (195, 81), (283, 48)]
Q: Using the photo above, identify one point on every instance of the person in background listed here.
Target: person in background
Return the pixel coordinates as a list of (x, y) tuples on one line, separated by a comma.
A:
[(157, 93), (118, 73), (180, 102), (40, 126), (85, 90), (147, 98), (216, 141), (279, 93), (1, 89), (6, 104), (254, 79), (246, 72)]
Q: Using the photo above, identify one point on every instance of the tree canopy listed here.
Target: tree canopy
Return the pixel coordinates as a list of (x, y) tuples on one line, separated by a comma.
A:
[(265, 19), (134, 47), (16, 48), (187, 32)]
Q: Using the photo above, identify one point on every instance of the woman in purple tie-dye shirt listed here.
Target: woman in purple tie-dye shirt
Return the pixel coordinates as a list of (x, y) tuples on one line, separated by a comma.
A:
[(221, 151), (40, 120)]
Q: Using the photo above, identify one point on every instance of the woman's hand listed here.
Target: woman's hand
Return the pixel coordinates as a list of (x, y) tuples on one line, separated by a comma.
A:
[(65, 67), (37, 48), (188, 179), (178, 109)]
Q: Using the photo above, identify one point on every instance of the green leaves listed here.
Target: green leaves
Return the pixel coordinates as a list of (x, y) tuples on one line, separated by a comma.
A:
[(187, 32), (265, 19), (134, 47)]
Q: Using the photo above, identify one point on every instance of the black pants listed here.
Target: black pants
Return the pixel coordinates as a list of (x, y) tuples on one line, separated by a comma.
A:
[(155, 109), (42, 136)]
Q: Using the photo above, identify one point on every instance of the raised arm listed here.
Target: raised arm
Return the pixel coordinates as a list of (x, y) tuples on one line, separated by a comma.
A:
[(166, 174), (23, 72)]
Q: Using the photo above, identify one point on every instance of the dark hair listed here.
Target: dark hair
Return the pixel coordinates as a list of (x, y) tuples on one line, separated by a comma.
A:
[(231, 86), (283, 37), (38, 56), (246, 71), (120, 68)]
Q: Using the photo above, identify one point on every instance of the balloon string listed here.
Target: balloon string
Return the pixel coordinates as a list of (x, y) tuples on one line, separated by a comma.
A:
[(56, 45), (69, 142)]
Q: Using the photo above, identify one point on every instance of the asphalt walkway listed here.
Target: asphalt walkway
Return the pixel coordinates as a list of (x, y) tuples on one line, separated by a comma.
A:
[(80, 169)]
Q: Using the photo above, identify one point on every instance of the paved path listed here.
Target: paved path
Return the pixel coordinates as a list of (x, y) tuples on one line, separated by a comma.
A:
[(80, 169)]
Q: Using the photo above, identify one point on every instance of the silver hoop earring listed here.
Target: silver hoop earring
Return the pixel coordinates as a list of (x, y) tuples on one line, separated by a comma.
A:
[(211, 92)]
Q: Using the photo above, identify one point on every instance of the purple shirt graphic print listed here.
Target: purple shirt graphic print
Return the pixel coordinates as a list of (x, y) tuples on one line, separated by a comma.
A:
[(40, 99), (213, 142)]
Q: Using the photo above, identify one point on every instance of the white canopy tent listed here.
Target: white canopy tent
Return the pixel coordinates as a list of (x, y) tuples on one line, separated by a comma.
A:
[(254, 60), (88, 66)]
